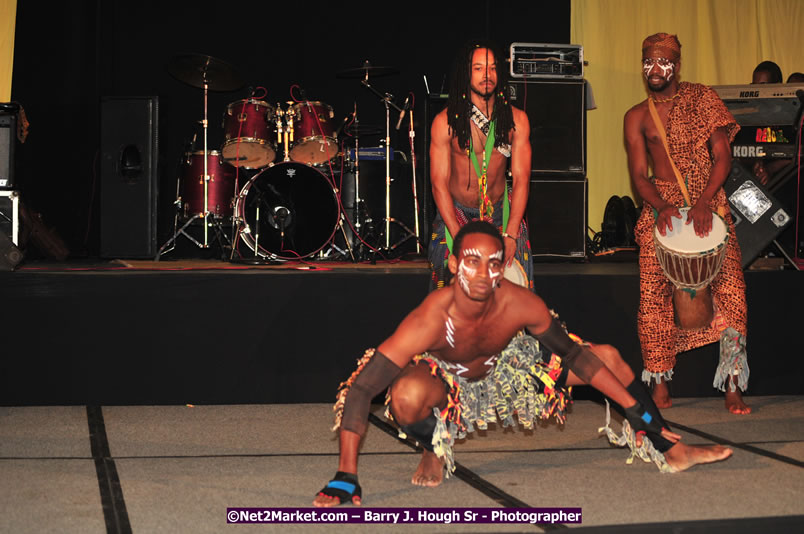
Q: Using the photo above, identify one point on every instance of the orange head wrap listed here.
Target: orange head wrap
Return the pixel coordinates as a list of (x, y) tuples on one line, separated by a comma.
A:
[(666, 45)]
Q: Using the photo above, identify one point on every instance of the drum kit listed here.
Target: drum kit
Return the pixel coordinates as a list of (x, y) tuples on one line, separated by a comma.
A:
[(291, 204)]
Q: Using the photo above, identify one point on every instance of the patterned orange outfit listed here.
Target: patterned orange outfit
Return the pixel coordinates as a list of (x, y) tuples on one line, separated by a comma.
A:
[(697, 112)]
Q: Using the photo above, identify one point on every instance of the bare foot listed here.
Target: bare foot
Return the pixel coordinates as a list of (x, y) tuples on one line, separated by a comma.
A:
[(323, 501), (681, 457), (735, 403), (430, 472), (661, 395)]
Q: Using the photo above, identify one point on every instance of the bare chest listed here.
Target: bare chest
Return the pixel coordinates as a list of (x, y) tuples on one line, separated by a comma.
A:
[(472, 352), (465, 173)]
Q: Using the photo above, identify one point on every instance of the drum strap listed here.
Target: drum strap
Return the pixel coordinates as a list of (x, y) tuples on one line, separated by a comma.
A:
[(655, 115)]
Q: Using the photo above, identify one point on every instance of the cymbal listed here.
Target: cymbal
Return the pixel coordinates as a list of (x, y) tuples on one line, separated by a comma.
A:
[(195, 69), (366, 70)]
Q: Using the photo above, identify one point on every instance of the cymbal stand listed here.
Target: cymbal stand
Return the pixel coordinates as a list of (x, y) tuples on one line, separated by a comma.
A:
[(205, 126), (206, 214), (412, 136), (387, 99), (357, 174)]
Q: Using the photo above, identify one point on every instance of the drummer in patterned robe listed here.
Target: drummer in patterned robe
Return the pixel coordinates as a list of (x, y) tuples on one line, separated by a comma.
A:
[(471, 144), (699, 129)]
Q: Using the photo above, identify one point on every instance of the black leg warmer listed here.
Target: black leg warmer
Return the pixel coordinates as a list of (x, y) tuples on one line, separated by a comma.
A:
[(638, 390)]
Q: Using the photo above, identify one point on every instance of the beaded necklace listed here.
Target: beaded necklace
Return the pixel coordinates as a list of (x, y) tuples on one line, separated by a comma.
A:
[(486, 207)]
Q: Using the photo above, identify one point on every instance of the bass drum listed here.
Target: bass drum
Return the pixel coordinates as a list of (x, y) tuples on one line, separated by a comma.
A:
[(287, 211)]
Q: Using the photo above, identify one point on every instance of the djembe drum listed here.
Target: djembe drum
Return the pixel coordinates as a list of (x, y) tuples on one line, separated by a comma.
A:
[(691, 263)]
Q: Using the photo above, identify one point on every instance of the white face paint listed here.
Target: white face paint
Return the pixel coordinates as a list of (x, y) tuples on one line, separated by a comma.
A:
[(667, 67), (492, 275), (465, 271)]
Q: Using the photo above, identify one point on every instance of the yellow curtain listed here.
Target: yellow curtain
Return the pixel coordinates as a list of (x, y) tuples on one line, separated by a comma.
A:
[(721, 43), (8, 18)]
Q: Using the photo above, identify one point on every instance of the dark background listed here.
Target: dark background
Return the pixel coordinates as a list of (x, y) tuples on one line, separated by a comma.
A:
[(70, 55)]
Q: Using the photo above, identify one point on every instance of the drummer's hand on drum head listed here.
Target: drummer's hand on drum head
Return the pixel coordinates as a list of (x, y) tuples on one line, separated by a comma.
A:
[(510, 250), (664, 220), (701, 218)]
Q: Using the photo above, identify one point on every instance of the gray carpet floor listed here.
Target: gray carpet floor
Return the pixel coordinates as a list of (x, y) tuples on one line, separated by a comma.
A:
[(178, 468)]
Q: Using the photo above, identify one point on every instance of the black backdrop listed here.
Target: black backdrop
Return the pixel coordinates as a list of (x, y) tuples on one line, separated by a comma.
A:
[(69, 55)]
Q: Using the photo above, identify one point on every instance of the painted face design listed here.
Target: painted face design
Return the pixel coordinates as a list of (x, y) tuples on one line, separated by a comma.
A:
[(495, 283), (465, 272), (667, 67)]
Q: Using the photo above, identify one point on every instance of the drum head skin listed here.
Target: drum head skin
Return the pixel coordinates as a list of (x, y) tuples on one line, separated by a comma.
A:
[(682, 237), (516, 273)]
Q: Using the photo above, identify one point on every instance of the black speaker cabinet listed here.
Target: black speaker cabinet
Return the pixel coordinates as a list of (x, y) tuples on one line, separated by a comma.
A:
[(129, 177), (10, 255), (557, 115), (8, 137), (786, 187), (557, 218), (758, 216)]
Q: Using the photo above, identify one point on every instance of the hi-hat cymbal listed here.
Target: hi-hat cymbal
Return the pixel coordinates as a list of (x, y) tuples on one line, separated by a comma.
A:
[(366, 70), (199, 69)]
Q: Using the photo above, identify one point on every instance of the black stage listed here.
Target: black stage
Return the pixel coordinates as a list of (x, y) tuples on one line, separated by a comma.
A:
[(178, 332)]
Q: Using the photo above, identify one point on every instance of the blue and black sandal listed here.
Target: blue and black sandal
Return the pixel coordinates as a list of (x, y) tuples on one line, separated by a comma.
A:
[(344, 487)]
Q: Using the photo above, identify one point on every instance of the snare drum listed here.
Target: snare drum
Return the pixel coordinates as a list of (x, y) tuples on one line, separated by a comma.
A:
[(249, 134), (220, 188), (315, 141), (288, 211)]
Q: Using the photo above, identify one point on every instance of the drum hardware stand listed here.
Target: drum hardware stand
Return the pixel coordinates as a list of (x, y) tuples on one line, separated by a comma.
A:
[(220, 234), (357, 175), (786, 255), (349, 250), (205, 215), (286, 135), (412, 136), (387, 101)]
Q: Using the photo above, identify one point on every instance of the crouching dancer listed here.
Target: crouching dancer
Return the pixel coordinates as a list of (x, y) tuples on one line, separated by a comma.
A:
[(461, 360)]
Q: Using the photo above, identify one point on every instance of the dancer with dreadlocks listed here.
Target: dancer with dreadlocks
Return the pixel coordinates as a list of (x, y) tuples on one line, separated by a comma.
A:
[(471, 143)]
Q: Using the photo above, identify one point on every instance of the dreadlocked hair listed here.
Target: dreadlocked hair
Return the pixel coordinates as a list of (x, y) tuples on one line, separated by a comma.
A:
[(459, 103)]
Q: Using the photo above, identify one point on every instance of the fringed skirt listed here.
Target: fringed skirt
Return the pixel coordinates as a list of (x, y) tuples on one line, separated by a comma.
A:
[(526, 382)]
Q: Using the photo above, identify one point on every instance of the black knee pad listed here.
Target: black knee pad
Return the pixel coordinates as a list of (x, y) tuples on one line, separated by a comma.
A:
[(422, 431)]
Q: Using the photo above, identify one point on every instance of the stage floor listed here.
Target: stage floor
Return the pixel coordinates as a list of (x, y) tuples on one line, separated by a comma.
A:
[(79, 469)]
